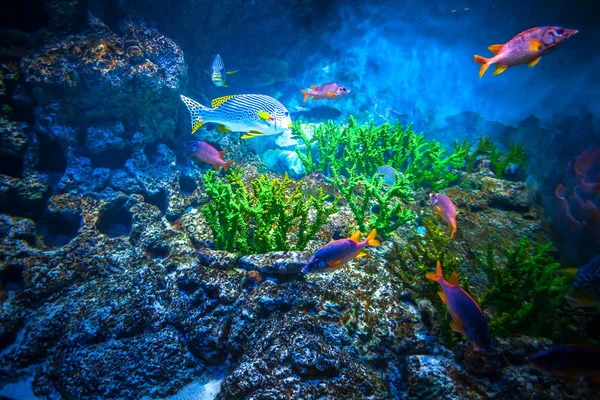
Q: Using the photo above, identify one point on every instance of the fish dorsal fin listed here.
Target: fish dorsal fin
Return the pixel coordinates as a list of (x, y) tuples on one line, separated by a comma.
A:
[(355, 236), (535, 45), (442, 296), (500, 69), (220, 100), (495, 48), (532, 64), (231, 72), (313, 87), (453, 279), (223, 129)]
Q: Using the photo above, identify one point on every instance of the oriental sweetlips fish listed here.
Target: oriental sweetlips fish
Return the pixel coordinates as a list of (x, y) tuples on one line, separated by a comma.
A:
[(467, 317), (568, 361), (204, 152), (218, 74), (585, 291), (525, 48), (339, 252), (255, 114), (445, 210), (327, 91)]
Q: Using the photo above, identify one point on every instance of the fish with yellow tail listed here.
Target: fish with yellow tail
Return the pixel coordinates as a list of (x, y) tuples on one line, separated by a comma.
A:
[(525, 48), (217, 73), (339, 252), (444, 209), (253, 114), (467, 317)]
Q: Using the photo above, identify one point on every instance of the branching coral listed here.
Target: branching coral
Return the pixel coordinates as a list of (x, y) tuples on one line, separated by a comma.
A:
[(391, 211), (525, 291), (264, 218), (364, 148), (498, 159)]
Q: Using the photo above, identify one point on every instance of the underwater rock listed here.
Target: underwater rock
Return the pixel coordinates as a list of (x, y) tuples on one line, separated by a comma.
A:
[(13, 140), (505, 194), (434, 377), (277, 262)]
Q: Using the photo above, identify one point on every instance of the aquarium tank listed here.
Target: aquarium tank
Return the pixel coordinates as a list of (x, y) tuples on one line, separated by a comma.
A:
[(299, 199)]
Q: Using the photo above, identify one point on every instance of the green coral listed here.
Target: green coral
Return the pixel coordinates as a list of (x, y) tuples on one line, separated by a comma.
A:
[(486, 147), (525, 291), (272, 216), (364, 148), (363, 194)]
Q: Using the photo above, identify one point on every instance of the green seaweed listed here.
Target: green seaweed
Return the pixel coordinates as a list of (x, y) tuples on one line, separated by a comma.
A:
[(363, 195), (484, 147), (525, 291), (264, 218), (364, 148), (499, 161)]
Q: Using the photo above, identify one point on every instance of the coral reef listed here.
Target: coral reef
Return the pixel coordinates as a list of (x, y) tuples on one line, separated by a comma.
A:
[(262, 219), (576, 219)]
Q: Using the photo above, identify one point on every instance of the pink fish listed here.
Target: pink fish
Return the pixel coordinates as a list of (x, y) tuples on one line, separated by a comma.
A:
[(527, 47), (204, 152), (445, 210), (327, 91), (339, 252), (467, 317)]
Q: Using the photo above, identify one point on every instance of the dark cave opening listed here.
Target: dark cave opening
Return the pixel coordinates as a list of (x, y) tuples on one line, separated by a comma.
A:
[(115, 221), (113, 159), (11, 277), (159, 200), (52, 157), (11, 166), (58, 230), (187, 185), (25, 16)]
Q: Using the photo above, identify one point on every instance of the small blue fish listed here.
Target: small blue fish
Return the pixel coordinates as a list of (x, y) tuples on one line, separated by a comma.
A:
[(387, 173), (218, 74), (467, 317), (339, 252)]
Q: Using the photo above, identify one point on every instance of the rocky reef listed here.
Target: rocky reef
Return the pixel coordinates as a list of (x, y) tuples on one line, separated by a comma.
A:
[(126, 271)]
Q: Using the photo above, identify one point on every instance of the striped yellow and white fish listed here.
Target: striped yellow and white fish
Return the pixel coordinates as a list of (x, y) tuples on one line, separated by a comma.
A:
[(217, 72), (254, 114)]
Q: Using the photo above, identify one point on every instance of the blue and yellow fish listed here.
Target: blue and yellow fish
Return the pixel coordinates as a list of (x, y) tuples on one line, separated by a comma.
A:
[(585, 291), (467, 317), (339, 252), (217, 72)]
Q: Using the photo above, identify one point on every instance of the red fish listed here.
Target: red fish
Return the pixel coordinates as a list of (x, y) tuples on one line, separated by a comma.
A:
[(568, 361), (467, 317), (445, 210), (339, 252), (525, 48), (204, 152), (327, 91)]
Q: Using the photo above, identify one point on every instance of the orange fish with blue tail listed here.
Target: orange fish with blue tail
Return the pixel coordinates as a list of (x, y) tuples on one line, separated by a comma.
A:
[(527, 47), (467, 317), (568, 361), (444, 209), (339, 252)]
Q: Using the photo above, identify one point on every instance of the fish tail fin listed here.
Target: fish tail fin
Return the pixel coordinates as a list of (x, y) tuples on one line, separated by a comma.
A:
[(306, 95), (196, 110), (371, 241), (227, 164), (436, 276), (484, 62)]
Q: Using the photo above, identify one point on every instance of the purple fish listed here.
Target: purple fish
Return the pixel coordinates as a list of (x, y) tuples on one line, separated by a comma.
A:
[(204, 152), (467, 317), (445, 210), (339, 252), (327, 91)]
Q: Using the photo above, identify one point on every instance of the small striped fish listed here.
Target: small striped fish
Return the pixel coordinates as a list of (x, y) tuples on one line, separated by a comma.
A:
[(585, 291), (254, 114), (218, 74)]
